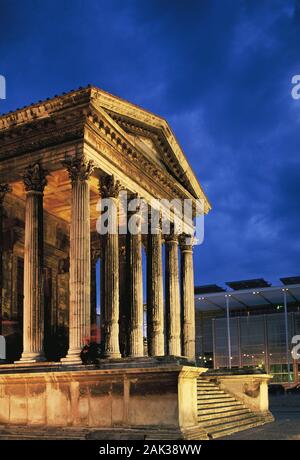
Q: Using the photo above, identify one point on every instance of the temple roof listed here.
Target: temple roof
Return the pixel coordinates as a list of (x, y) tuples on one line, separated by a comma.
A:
[(147, 131)]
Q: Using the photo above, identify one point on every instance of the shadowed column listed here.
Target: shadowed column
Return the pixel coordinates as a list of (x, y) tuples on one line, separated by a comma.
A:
[(4, 189), (33, 312), (155, 306), (95, 254), (188, 298), (109, 190), (135, 279), (102, 289), (80, 261), (172, 295)]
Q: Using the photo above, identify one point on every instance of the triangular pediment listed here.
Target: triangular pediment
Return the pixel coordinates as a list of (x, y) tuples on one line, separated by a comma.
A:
[(147, 145), (153, 136)]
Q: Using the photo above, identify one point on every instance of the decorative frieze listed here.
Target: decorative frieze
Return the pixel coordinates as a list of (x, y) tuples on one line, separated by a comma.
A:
[(43, 108)]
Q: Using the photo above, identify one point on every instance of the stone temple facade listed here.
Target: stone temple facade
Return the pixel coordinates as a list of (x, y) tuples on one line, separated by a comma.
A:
[(58, 158)]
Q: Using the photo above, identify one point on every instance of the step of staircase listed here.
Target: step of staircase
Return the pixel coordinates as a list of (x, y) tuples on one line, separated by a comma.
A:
[(220, 413), (216, 410), (210, 392), (234, 428), (215, 398), (217, 405), (228, 419), (205, 383)]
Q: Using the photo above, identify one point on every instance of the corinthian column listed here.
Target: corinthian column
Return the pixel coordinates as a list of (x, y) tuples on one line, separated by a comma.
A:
[(155, 305), (188, 298), (95, 254), (33, 311), (124, 304), (80, 262), (172, 295), (4, 189), (109, 190), (135, 279)]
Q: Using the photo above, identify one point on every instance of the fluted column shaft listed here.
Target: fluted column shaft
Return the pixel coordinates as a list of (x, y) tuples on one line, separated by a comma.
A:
[(135, 283), (80, 261), (188, 299), (33, 311), (102, 290), (109, 189), (93, 319), (172, 296), (111, 311), (155, 306), (124, 296)]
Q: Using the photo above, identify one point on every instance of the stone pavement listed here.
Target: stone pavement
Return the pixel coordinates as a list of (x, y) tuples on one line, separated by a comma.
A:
[(286, 410)]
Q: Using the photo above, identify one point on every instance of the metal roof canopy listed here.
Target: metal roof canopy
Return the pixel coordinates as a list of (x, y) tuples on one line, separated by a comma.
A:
[(208, 288), (248, 298), (248, 284), (290, 280)]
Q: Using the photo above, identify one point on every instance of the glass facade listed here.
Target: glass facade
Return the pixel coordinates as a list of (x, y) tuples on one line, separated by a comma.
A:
[(256, 341)]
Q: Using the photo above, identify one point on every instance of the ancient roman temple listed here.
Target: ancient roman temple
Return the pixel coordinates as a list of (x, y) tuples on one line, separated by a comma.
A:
[(65, 285)]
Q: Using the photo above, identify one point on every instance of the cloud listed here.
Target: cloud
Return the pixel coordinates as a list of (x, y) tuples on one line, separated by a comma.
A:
[(220, 72)]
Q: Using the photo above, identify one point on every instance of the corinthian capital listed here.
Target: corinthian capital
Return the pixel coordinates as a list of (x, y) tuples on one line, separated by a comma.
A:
[(109, 187), (4, 189), (172, 236), (78, 168), (186, 242), (34, 178)]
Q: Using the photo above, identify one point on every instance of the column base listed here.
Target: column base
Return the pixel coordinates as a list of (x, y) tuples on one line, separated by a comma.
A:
[(135, 356), (112, 356), (73, 357), (31, 358)]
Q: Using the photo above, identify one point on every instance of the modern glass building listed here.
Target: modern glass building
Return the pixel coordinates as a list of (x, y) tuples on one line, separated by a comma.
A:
[(249, 324)]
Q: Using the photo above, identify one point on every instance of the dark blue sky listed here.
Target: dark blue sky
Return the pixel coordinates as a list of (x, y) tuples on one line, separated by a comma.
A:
[(220, 72)]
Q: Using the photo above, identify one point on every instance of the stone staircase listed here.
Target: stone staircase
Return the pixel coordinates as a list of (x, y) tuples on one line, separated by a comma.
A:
[(220, 413)]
